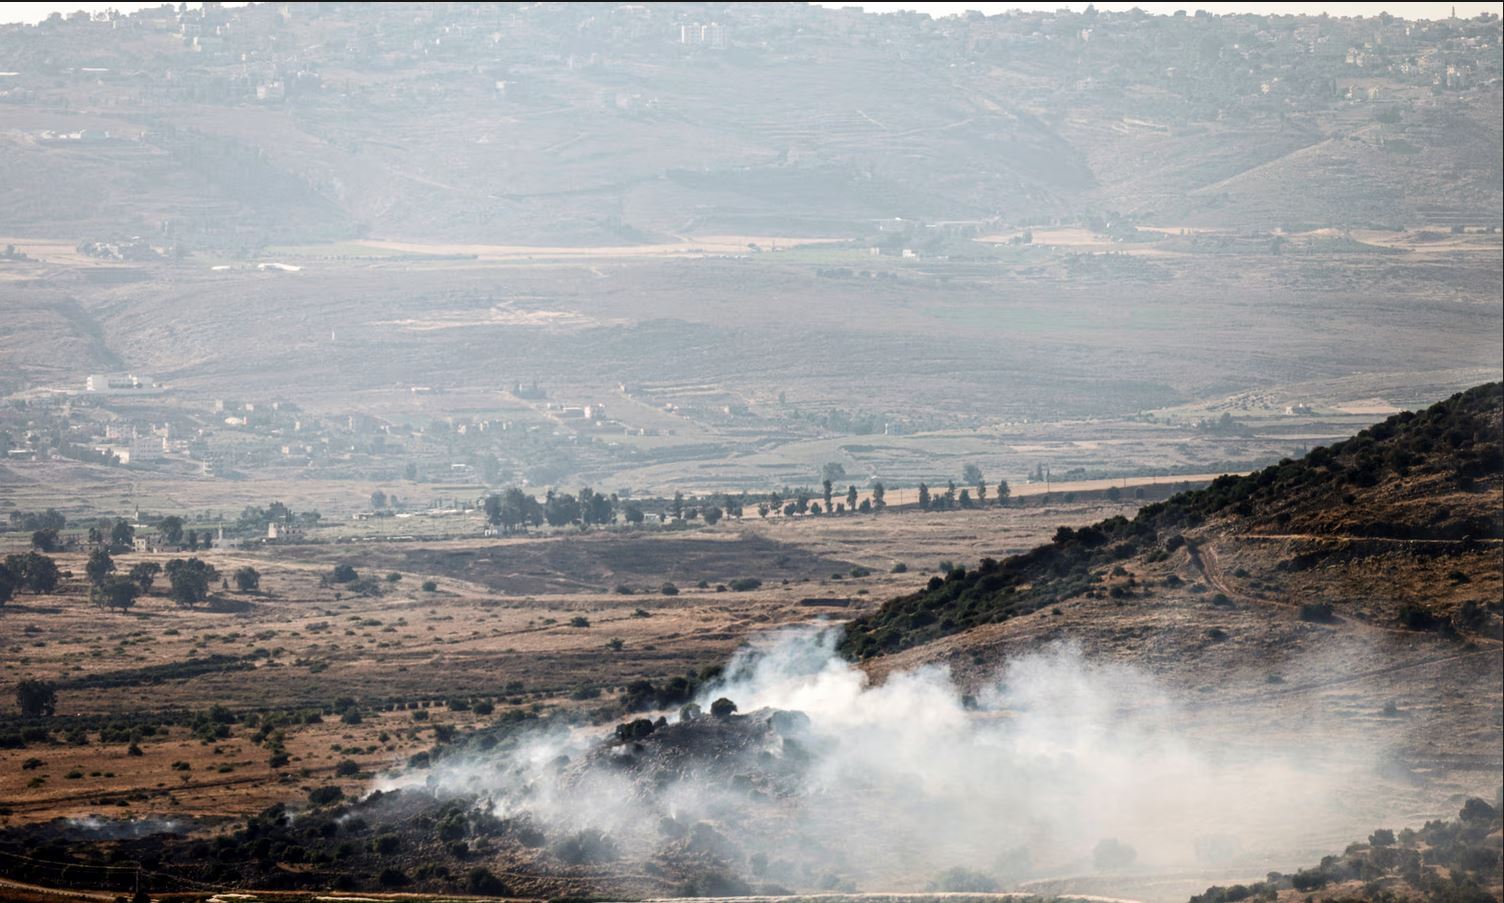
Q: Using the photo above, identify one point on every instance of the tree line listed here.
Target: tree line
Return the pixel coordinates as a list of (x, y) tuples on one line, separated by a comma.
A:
[(119, 535), (514, 510)]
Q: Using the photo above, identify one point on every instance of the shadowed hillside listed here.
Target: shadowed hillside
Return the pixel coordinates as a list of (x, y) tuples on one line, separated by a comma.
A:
[(1412, 502)]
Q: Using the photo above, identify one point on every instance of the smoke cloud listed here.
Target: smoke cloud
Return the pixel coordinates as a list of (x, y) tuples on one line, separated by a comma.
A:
[(1058, 765)]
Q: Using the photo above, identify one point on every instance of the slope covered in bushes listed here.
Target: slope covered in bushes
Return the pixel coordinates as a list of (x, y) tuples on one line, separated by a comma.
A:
[(1433, 475), (1456, 861)]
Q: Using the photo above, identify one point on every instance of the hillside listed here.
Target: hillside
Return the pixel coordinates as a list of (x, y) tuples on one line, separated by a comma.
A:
[(1444, 860), (599, 123), (1399, 525)]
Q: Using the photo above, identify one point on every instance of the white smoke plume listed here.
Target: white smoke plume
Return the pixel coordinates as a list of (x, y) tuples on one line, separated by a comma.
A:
[(1058, 765)]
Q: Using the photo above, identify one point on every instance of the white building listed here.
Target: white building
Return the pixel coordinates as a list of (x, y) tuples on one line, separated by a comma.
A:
[(712, 35), (119, 383)]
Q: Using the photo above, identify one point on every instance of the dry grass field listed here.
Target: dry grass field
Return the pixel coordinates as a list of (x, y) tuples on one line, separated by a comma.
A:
[(499, 635), (497, 628)]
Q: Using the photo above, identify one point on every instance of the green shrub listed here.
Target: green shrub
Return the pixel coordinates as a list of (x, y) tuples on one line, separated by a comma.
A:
[(479, 880), (323, 796), (1317, 612), (385, 844), (1416, 617), (1307, 880)]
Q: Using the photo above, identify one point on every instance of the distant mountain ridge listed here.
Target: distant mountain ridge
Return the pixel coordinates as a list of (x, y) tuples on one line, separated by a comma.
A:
[(598, 123)]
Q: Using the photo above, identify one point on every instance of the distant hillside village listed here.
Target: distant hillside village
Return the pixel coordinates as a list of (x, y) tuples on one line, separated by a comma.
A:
[(143, 89), (225, 54)]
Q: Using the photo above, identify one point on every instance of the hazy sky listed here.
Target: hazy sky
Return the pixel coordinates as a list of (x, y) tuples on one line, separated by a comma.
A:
[(1418, 10), (36, 12)]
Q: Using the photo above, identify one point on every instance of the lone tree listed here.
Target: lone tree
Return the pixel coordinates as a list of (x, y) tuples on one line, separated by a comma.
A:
[(36, 697), (722, 708), (115, 592), (46, 540), (924, 496), (247, 579), (171, 530), (1002, 493), (190, 580), (145, 574), (879, 492), (122, 535), (100, 566)]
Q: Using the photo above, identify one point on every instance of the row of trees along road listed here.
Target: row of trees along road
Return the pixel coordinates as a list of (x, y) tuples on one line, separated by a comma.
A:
[(513, 509)]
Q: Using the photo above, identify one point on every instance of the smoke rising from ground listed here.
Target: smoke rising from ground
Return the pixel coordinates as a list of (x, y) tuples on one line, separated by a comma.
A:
[(887, 785)]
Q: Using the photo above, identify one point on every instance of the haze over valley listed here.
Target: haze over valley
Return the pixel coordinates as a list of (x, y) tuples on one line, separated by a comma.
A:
[(630, 451)]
